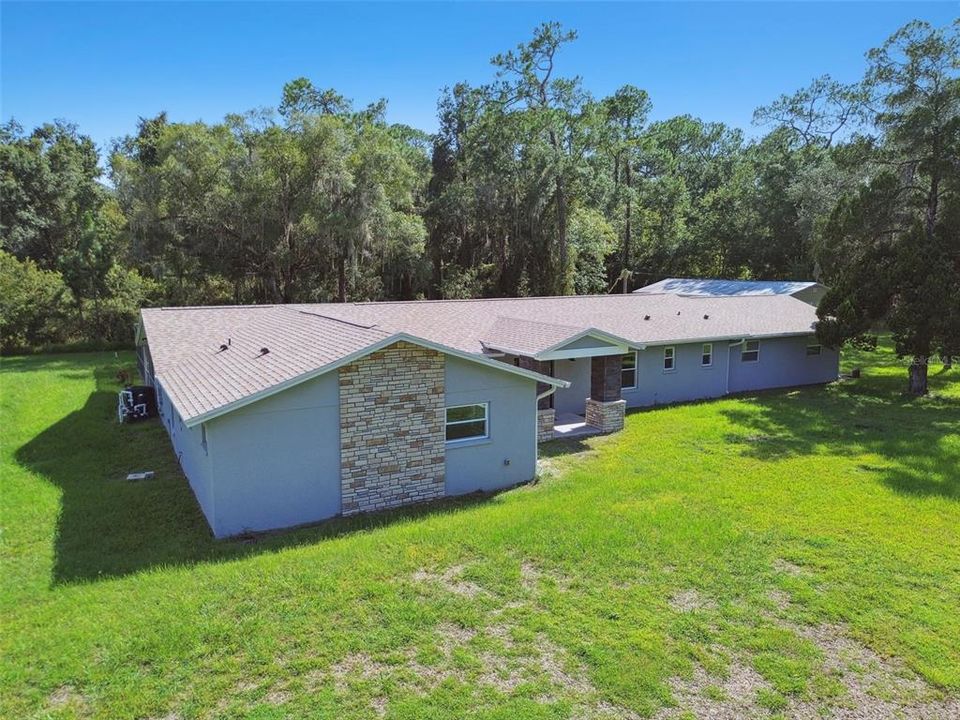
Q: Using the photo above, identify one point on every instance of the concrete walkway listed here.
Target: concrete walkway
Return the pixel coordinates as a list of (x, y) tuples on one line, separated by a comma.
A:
[(568, 425)]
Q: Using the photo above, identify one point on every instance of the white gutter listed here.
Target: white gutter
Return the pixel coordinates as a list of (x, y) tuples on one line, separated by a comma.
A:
[(737, 338)]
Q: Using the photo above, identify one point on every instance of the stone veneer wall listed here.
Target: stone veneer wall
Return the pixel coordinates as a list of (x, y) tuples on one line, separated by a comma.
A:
[(545, 421), (392, 428), (606, 416)]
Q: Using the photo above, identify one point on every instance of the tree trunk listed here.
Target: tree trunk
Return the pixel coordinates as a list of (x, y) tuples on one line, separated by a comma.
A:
[(627, 229), (947, 362), (933, 198), (562, 233), (918, 376), (342, 278), (561, 200), (933, 201)]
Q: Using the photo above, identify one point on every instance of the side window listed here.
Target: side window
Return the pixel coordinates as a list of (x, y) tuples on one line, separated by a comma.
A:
[(706, 355), (669, 361), (628, 371), (203, 437), (467, 422), (814, 350), (751, 351)]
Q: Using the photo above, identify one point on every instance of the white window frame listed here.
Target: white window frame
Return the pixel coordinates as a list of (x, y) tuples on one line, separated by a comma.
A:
[(706, 349), (474, 438), (673, 359), (818, 347), (635, 364), (744, 351)]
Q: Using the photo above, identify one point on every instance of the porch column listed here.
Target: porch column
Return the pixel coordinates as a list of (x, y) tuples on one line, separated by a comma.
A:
[(605, 408), (546, 415)]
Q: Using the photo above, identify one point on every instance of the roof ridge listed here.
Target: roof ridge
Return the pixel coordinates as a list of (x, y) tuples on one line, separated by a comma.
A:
[(369, 303), (374, 326), (253, 306)]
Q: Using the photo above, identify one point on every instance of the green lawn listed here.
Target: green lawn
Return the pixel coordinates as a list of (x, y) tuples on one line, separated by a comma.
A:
[(784, 553)]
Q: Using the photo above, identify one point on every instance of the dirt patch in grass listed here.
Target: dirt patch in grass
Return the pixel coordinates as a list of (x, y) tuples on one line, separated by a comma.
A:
[(67, 696), (529, 575), (690, 600), (787, 568), (512, 660), (453, 635), (780, 599), (873, 687), (720, 698), (450, 580), (356, 666), (277, 697), (876, 686)]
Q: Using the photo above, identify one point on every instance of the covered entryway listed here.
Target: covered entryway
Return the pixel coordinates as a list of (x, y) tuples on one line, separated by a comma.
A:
[(589, 360), (572, 400)]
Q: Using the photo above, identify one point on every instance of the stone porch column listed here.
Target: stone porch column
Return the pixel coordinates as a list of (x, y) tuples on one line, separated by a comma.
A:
[(605, 408), (546, 415)]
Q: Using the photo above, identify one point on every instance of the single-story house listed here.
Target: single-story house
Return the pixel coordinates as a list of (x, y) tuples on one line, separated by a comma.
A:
[(809, 292), (282, 415)]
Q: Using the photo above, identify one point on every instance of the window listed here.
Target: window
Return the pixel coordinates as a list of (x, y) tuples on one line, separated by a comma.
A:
[(668, 360), (203, 437), (467, 422), (628, 371), (706, 355), (751, 351), (813, 350)]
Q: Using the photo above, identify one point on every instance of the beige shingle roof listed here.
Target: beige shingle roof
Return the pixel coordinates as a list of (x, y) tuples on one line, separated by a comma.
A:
[(465, 324), (525, 336), (202, 379)]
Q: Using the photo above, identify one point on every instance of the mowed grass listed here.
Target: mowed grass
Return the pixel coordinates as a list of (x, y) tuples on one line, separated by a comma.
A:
[(764, 555)]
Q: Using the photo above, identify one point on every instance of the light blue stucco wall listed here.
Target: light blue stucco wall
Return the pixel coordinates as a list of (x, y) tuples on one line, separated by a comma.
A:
[(480, 465), (574, 398), (783, 363), (276, 462), (689, 380), (188, 446)]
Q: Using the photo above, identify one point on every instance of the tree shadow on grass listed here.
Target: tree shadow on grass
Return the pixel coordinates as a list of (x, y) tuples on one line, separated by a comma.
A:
[(914, 437), (110, 527)]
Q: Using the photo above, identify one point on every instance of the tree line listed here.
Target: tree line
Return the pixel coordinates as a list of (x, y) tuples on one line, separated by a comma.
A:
[(531, 186)]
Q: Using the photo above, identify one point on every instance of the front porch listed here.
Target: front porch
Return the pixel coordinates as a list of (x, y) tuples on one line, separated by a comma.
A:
[(590, 406), (568, 426)]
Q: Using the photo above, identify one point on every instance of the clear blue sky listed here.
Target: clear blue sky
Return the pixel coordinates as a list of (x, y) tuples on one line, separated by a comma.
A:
[(103, 65)]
